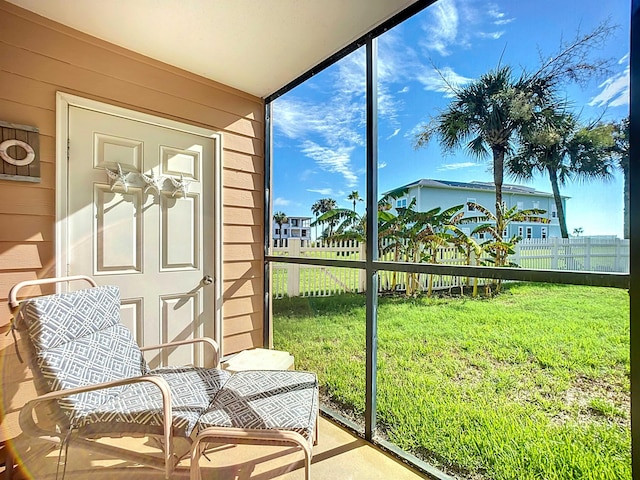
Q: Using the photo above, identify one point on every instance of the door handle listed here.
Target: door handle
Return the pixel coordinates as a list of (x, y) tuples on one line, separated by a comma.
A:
[(207, 280)]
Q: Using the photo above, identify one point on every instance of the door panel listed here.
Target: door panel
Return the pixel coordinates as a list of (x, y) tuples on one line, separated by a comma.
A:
[(139, 232), (118, 227), (180, 232)]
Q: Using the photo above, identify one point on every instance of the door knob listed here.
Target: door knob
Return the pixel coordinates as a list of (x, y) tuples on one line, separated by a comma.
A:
[(207, 279)]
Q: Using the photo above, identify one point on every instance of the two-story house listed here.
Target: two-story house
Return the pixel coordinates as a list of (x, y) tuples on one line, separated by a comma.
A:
[(297, 227), (430, 194)]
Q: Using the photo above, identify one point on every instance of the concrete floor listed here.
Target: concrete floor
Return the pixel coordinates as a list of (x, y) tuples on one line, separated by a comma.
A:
[(339, 455)]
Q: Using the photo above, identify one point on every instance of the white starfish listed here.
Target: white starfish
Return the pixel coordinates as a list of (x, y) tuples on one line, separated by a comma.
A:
[(153, 182), (118, 178), (181, 186)]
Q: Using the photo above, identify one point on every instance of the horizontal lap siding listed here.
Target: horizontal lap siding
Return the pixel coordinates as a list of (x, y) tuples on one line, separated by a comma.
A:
[(38, 58)]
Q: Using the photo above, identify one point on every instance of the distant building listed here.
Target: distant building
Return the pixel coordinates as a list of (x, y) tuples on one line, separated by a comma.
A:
[(297, 227), (430, 194)]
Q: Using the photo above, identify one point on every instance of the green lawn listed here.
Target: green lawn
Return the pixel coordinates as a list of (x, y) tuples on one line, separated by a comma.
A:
[(531, 384)]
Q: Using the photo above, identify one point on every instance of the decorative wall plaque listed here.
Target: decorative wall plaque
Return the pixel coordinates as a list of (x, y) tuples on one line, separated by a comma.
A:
[(19, 152)]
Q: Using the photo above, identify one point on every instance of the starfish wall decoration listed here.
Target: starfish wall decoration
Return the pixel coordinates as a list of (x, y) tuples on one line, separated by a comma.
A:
[(181, 187), (118, 178), (153, 182)]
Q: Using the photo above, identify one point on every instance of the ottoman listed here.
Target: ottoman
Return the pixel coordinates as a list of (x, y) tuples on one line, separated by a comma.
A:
[(261, 407)]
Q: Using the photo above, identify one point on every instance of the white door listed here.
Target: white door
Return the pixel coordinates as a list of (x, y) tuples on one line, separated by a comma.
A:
[(153, 237)]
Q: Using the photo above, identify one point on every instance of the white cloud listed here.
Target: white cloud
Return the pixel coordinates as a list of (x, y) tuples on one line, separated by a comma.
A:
[(382, 165), (418, 128), (329, 130), (493, 12), (442, 80), (395, 132), (321, 191), (335, 160), (442, 31), (308, 173), (335, 121), (404, 90), (454, 23), (491, 35), (456, 166), (281, 202), (334, 125), (500, 17), (614, 91), (351, 74)]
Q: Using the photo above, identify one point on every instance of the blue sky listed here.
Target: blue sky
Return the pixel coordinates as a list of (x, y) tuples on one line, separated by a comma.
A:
[(319, 136)]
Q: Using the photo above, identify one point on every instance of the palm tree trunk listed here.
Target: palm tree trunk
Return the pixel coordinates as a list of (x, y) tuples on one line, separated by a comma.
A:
[(498, 176), (553, 176)]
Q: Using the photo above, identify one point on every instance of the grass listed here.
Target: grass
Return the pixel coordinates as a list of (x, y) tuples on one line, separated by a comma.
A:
[(531, 384)]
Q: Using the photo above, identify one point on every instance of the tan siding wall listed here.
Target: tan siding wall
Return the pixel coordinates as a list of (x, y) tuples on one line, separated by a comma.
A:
[(39, 57)]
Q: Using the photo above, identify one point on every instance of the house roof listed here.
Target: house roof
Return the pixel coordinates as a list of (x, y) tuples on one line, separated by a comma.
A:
[(477, 186), (255, 46)]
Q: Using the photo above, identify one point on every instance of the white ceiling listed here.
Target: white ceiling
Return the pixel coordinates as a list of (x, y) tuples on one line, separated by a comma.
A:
[(257, 46)]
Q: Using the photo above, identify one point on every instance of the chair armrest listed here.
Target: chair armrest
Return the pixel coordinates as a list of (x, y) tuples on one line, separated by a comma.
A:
[(29, 426), (206, 340)]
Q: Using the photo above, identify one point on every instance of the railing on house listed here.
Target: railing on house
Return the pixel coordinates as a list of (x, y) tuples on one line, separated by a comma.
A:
[(608, 254)]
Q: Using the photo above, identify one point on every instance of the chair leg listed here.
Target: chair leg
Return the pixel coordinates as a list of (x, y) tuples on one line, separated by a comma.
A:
[(194, 468), (9, 462), (307, 463)]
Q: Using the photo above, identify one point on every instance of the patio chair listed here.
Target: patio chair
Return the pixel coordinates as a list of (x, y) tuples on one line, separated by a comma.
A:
[(94, 378)]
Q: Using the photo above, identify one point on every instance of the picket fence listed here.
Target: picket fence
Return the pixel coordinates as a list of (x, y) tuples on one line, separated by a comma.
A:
[(598, 254)]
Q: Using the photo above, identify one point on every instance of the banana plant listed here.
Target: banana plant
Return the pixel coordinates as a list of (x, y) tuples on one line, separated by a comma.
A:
[(424, 234), (496, 247), (470, 248)]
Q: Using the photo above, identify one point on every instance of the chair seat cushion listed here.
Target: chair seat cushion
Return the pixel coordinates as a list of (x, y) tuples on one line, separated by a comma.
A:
[(263, 399), (138, 408)]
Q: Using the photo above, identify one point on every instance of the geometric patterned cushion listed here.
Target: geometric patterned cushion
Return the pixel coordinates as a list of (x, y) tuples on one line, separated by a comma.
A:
[(138, 408), (104, 356), (263, 399), (53, 320)]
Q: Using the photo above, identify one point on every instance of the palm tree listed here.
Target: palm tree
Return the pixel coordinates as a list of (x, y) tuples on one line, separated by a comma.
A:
[(489, 114), (354, 196), (316, 209), (346, 224), (323, 206), (486, 116), (280, 218), (561, 148), (621, 153)]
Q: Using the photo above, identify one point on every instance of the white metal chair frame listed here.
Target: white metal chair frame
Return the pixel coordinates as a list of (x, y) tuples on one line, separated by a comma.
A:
[(207, 434)]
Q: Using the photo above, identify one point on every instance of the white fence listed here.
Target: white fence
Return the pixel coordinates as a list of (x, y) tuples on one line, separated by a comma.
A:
[(606, 254)]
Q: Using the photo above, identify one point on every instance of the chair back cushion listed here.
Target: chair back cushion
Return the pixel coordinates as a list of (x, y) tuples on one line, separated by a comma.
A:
[(78, 340)]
